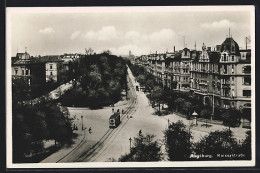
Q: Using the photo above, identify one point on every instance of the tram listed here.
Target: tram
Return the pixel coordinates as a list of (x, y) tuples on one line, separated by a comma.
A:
[(114, 120)]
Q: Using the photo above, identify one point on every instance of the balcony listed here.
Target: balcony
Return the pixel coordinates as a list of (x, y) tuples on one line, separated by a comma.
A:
[(226, 86)]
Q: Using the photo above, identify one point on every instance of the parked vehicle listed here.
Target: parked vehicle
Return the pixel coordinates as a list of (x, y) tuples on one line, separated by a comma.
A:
[(114, 120)]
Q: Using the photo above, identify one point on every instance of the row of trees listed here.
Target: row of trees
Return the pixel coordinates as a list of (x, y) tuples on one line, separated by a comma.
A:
[(34, 123), (217, 145), (99, 80), (184, 102)]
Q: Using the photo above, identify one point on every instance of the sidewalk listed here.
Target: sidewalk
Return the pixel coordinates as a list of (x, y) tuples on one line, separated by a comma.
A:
[(52, 95), (199, 131)]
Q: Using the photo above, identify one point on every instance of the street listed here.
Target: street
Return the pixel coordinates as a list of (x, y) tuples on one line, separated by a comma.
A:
[(104, 144)]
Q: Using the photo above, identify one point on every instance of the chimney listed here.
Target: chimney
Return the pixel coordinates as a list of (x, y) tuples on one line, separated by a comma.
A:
[(156, 52), (209, 48), (173, 48)]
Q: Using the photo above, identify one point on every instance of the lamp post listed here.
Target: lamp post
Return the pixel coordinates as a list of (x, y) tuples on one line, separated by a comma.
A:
[(82, 122), (130, 140)]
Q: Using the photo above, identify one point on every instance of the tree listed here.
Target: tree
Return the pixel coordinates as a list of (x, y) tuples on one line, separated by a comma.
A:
[(156, 95), (205, 113), (186, 108), (246, 146), (144, 149), (177, 142), (178, 103), (21, 137), (231, 118), (89, 51), (216, 145), (58, 125), (107, 52)]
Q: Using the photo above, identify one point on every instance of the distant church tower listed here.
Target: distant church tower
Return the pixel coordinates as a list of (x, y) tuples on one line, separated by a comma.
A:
[(130, 53)]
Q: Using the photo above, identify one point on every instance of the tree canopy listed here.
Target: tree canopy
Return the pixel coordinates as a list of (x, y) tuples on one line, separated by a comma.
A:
[(144, 149), (178, 142)]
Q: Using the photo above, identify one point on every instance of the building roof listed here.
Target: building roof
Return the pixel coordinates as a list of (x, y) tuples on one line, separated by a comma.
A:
[(32, 60), (50, 58), (214, 56), (195, 55), (21, 54), (230, 45), (14, 59)]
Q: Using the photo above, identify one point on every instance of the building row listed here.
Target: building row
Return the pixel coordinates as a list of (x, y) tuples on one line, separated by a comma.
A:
[(41, 69), (220, 77)]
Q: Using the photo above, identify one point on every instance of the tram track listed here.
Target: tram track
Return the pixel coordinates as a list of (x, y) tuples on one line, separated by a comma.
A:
[(111, 132), (98, 146)]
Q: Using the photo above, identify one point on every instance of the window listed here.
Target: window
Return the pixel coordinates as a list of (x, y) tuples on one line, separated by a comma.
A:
[(247, 69), (233, 58), (247, 93), (232, 68), (51, 73), (22, 72), (233, 104), (26, 72), (15, 71), (225, 58), (233, 80), (50, 66), (247, 81)]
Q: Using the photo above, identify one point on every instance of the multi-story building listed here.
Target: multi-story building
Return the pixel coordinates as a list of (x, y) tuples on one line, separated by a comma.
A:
[(28, 69), (223, 78), (204, 74), (184, 78), (235, 72), (53, 67)]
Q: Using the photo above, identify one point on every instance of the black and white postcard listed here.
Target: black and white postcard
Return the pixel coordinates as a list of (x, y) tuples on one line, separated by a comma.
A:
[(102, 87)]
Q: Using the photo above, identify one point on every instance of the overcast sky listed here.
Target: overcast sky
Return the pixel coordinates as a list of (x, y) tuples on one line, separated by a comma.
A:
[(46, 32)]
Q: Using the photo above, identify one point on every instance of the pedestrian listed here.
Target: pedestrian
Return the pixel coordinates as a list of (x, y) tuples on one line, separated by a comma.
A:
[(89, 130), (112, 110), (140, 132), (118, 111), (122, 111), (76, 127)]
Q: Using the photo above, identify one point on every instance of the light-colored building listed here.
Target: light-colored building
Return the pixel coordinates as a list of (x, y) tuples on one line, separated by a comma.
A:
[(53, 67), (224, 76)]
